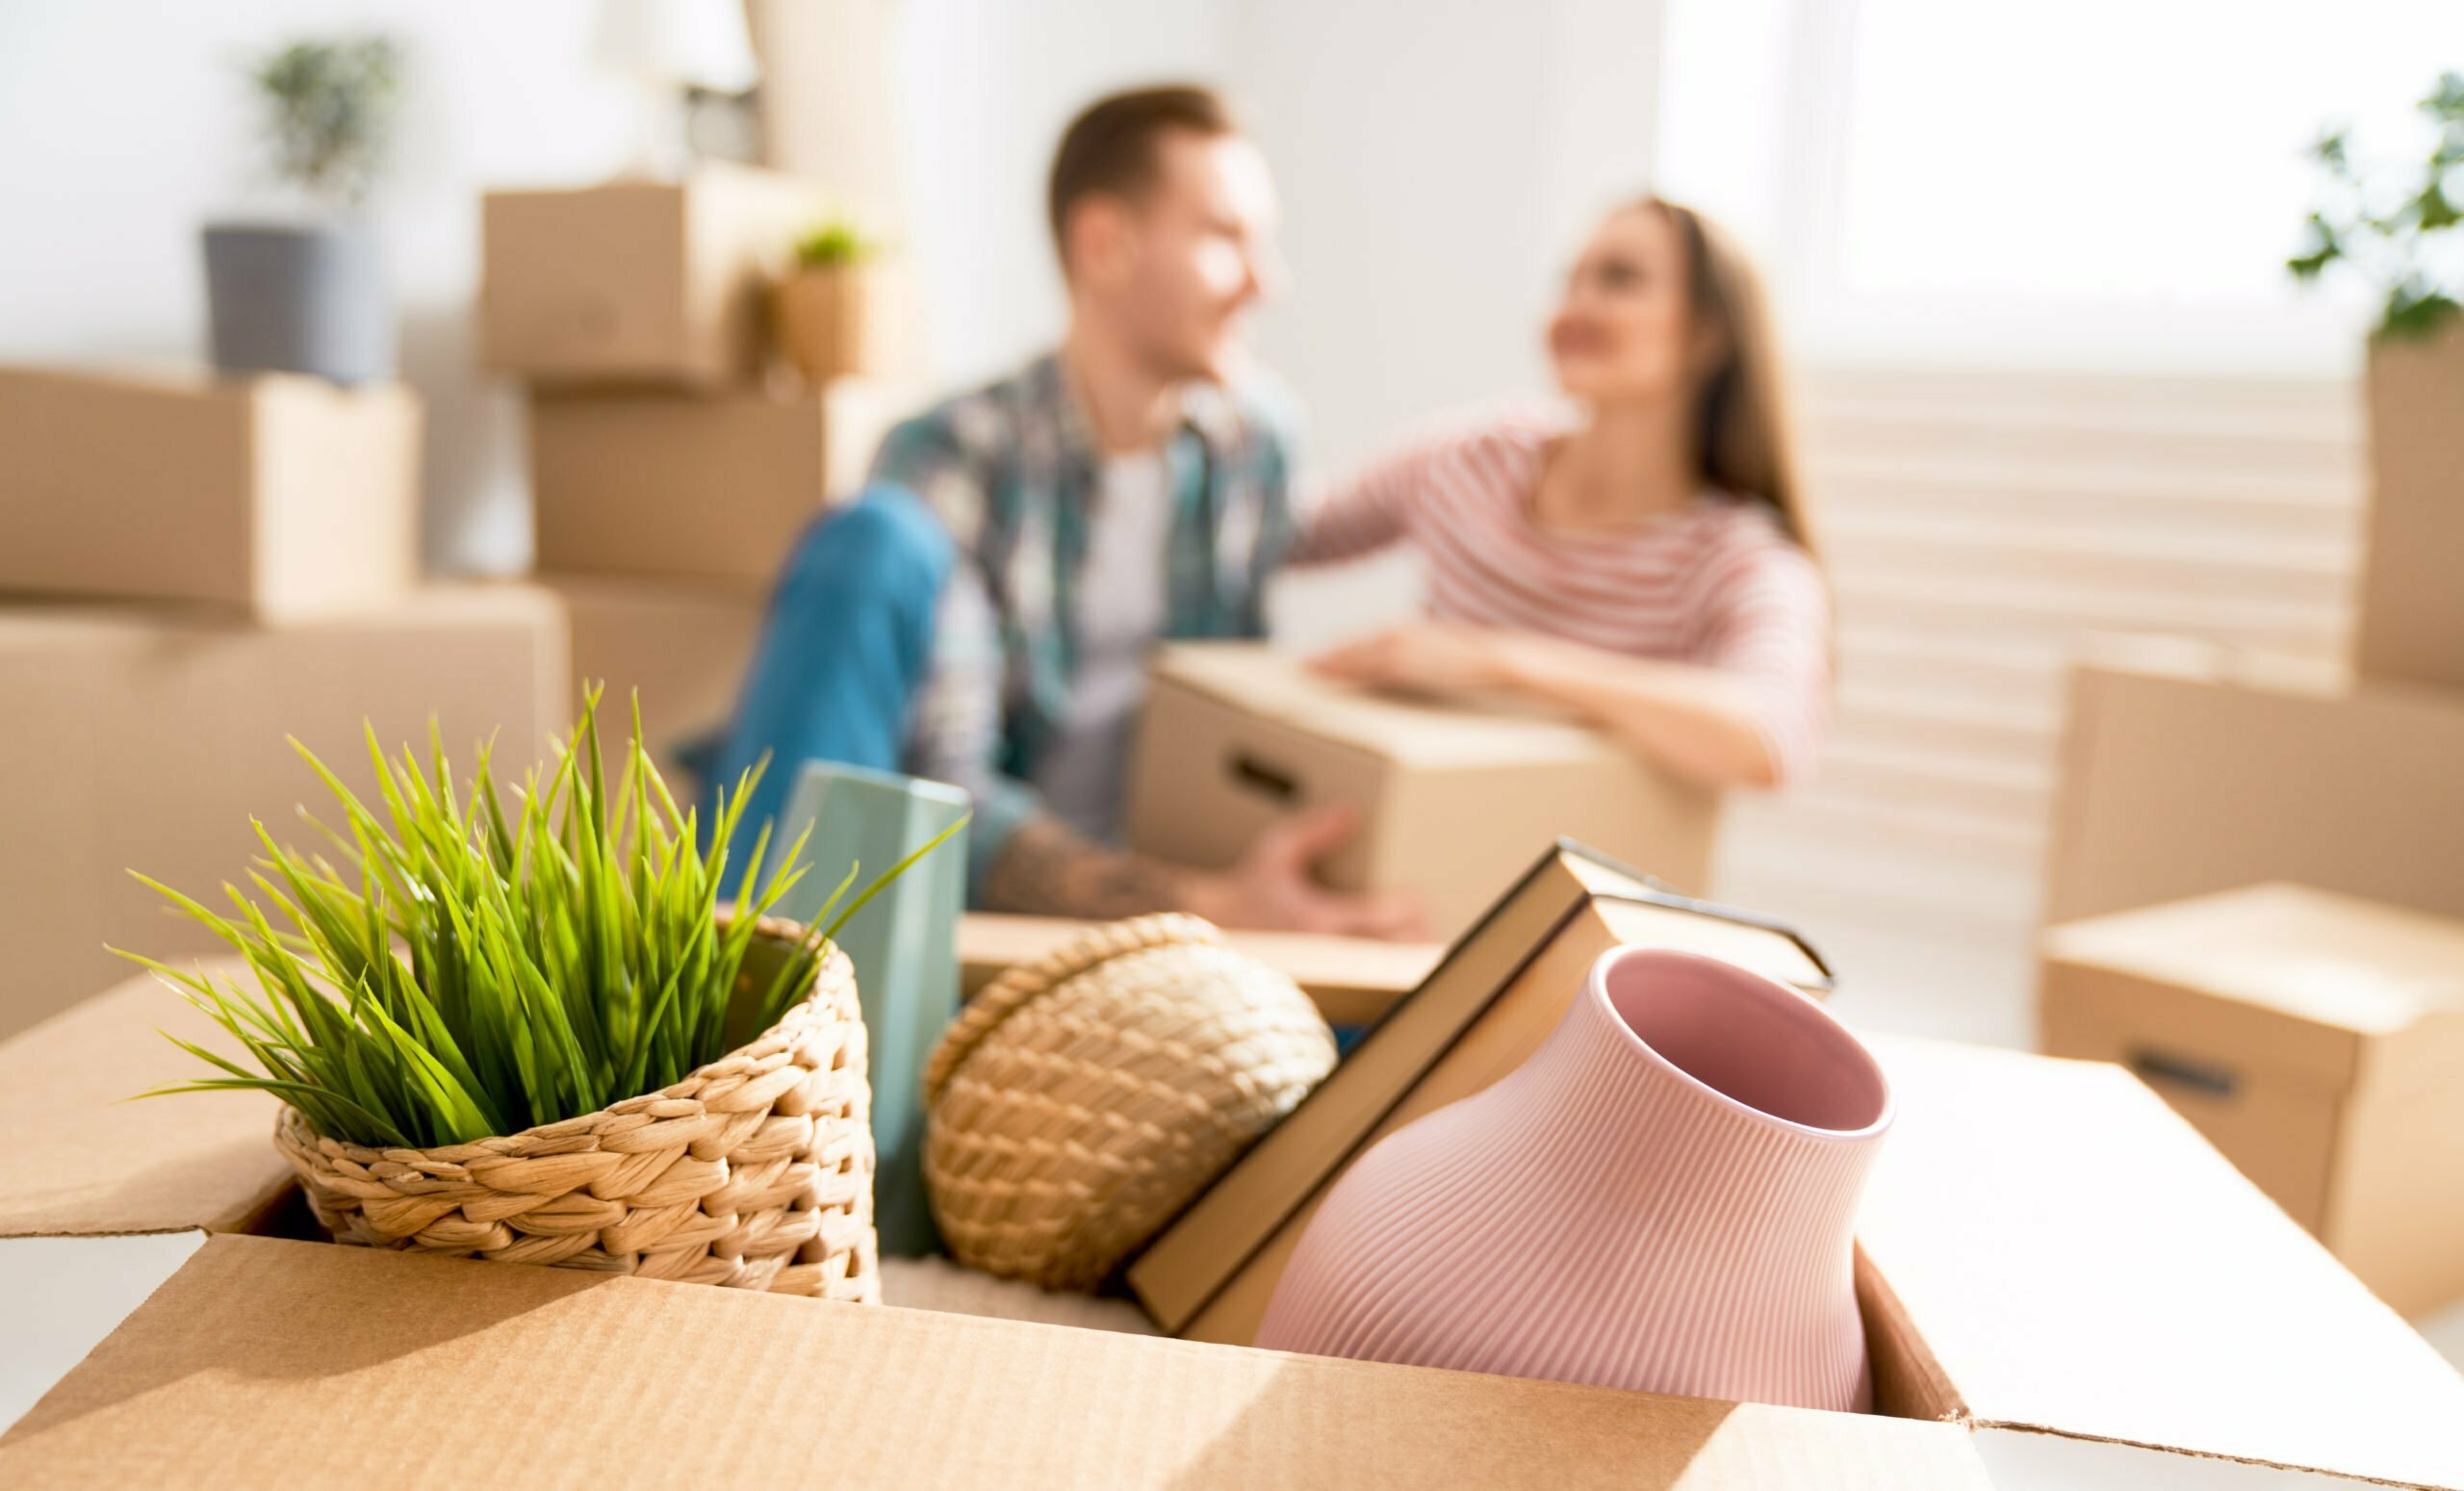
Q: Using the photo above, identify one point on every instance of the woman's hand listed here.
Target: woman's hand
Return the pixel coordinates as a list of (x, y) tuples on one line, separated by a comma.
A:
[(1429, 656)]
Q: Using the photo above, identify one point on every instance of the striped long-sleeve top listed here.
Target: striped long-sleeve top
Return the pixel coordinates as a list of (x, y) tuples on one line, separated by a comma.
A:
[(1719, 584)]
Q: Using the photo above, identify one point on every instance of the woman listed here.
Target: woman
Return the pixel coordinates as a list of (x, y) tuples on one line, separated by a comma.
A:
[(1650, 567)]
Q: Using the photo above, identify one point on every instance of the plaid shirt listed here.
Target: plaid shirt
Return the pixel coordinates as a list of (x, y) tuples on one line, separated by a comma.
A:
[(1011, 471)]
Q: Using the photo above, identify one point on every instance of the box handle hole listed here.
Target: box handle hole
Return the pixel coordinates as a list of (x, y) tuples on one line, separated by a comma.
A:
[(2164, 1068), (1263, 780)]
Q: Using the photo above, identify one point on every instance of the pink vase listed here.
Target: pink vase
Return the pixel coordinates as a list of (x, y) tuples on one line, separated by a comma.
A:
[(1662, 1197)]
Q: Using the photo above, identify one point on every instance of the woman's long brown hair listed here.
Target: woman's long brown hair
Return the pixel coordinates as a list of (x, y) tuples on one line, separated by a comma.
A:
[(1744, 442)]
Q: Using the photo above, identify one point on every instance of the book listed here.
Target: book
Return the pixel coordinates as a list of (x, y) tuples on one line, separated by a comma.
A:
[(1487, 1005)]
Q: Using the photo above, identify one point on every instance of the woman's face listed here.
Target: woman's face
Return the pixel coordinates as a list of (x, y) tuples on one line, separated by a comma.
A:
[(1624, 332)]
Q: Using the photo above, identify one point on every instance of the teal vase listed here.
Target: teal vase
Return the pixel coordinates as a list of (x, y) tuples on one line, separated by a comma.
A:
[(904, 946)]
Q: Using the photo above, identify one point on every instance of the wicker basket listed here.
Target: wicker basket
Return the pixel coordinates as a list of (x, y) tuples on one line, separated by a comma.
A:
[(754, 1171), (1082, 1100)]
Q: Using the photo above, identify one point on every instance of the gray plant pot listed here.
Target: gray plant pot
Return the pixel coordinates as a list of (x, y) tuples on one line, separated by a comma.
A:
[(298, 299)]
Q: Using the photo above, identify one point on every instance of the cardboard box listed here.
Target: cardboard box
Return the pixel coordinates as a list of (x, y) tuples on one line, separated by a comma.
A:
[(683, 648), (1353, 980), (1456, 799), (708, 488), (2314, 1038), (639, 281), (2195, 769), (2412, 581), (2049, 1254), (137, 740), (284, 496)]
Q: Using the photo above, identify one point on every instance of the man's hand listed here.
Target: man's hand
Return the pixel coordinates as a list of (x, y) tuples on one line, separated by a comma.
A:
[(1270, 887), (1429, 656)]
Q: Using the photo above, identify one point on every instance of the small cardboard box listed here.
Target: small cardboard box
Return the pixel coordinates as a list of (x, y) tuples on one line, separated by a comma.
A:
[(2055, 1268), (711, 488), (1235, 737), (2314, 1038), (639, 281), (1353, 980), (2412, 597), (2188, 770), (682, 648), (284, 496), (140, 740)]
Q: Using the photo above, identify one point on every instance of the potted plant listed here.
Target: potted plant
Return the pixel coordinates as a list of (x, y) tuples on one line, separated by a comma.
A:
[(309, 296), (2404, 233), (838, 312), (535, 1033)]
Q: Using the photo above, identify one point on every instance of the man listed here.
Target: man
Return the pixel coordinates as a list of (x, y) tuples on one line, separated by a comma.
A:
[(983, 613)]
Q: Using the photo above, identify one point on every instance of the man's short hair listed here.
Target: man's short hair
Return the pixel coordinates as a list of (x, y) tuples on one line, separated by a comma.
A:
[(1110, 150)]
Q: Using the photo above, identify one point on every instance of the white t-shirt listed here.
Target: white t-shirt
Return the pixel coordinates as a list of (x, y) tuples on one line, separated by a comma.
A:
[(1121, 610)]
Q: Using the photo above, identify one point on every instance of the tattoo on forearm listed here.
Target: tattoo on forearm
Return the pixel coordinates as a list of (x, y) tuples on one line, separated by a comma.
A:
[(1050, 870)]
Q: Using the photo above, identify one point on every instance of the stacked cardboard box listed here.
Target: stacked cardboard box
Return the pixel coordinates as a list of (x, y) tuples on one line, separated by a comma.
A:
[(672, 463), (195, 568), (2191, 772)]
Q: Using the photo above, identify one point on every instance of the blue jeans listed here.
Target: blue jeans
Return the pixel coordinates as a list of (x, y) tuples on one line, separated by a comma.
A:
[(847, 643)]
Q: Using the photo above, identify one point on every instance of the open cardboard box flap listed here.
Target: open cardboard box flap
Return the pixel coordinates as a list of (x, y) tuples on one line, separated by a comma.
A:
[(268, 1362), (2047, 1247), (79, 1160)]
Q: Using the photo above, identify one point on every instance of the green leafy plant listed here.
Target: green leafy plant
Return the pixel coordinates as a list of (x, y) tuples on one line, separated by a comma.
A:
[(2405, 240), (329, 110), (833, 246), (456, 971)]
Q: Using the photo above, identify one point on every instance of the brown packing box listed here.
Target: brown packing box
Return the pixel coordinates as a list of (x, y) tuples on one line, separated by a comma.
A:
[(2412, 583), (2314, 1038), (683, 648), (285, 496), (265, 1362), (711, 488), (2188, 770), (1353, 980), (639, 281), (137, 740), (1235, 735), (2048, 1255)]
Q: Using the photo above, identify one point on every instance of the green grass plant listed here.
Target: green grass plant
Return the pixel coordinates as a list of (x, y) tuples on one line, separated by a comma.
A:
[(457, 967)]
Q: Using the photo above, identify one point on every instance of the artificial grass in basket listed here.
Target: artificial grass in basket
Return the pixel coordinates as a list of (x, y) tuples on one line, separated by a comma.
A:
[(453, 970)]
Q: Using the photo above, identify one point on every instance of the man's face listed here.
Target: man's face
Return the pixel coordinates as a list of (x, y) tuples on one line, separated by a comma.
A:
[(1177, 270)]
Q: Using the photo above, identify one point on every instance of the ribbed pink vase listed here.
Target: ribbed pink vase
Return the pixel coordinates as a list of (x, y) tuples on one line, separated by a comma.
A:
[(1661, 1198)]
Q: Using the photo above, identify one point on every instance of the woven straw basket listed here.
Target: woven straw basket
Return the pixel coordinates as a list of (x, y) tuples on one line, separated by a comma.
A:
[(754, 1171), (1082, 1100)]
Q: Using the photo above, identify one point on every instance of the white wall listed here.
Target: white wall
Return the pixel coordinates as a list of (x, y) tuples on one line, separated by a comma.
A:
[(986, 87), (1437, 159)]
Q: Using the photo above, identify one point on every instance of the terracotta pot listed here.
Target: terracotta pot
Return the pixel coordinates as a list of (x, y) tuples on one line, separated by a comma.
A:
[(844, 321), (1661, 1198)]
